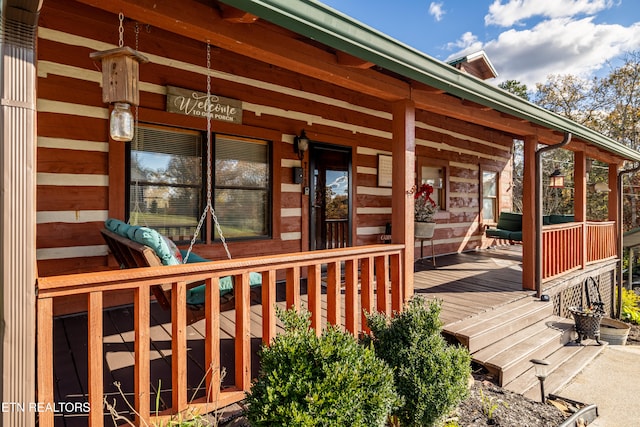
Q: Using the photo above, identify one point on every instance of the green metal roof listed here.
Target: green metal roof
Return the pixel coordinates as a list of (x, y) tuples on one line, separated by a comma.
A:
[(339, 31)]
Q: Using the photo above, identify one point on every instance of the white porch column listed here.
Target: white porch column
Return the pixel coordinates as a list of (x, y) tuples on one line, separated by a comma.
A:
[(18, 208), (404, 154)]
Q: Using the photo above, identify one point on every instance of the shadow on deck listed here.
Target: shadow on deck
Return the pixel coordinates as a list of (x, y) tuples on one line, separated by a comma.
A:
[(467, 284)]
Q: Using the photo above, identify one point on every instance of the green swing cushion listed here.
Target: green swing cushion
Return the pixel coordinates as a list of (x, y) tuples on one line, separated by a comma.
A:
[(153, 239)]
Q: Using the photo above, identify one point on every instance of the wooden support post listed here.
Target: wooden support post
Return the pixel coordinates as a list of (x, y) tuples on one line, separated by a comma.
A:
[(404, 155), (212, 338), (580, 201), (529, 214), (613, 205)]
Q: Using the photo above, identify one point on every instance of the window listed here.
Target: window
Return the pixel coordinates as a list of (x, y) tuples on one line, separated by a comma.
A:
[(242, 187), (165, 185), (489, 196), (168, 183), (435, 176)]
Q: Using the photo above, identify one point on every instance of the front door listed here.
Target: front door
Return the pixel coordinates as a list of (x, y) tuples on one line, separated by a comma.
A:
[(330, 201)]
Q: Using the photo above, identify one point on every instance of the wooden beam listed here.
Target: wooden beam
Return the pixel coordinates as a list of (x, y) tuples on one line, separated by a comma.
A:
[(352, 61), (529, 214), (271, 45), (403, 164), (237, 16), (580, 201)]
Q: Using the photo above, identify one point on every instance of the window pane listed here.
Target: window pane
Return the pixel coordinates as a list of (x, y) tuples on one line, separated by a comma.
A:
[(489, 209), (242, 188), (241, 164), (490, 184), (166, 181), (242, 213)]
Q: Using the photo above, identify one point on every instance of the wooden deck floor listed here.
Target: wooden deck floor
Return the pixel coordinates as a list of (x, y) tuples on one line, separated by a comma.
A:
[(467, 284)]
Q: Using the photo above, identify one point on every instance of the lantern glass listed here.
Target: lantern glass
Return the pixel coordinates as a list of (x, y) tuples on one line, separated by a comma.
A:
[(121, 122), (556, 181)]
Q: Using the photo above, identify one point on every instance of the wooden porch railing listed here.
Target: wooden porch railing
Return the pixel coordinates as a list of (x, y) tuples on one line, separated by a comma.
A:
[(337, 233), (601, 240), (371, 280), (562, 246)]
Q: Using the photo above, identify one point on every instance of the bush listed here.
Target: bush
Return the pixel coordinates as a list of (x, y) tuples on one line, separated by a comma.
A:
[(330, 380), (430, 375), (630, 307)]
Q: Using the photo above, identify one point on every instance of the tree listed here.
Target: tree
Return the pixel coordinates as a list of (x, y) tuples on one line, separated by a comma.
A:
[(610, 105)]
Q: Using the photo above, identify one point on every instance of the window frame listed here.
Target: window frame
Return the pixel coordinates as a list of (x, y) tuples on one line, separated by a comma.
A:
[(422, 161), (120, 154), (269, 188), (496, 213)]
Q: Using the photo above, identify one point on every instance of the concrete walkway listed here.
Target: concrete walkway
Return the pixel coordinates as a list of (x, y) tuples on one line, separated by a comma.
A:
[(612, 382)]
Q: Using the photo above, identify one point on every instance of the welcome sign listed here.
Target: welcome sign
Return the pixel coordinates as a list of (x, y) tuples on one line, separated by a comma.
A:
[(193, 103)]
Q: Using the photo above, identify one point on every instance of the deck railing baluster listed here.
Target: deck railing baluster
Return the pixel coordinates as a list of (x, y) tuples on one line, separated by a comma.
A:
[(179, 345), (141, 313), (212, 338), (94, 350), (351, 292), (243, 332)]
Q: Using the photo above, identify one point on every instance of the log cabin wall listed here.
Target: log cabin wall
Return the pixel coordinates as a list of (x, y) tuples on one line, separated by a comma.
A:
[(81, 172)]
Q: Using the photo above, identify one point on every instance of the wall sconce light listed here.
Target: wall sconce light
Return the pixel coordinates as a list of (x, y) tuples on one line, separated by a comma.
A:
[(556, 179), (542, 368), (301, 144), (120, 77)]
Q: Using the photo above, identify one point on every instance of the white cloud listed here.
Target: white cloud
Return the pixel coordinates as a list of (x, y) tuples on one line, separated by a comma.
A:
[(514, 11), (467, 43), (435, 9), (555, 46)]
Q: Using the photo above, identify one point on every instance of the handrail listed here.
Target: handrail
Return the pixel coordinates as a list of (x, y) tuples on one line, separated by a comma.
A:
[(363, 278)]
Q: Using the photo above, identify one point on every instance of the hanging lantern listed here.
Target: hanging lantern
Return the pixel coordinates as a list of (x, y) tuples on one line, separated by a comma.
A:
[(556, 179), (120, 77)]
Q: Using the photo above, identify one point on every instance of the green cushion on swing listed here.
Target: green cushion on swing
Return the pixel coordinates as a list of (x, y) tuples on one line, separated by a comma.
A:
[(195, 296)]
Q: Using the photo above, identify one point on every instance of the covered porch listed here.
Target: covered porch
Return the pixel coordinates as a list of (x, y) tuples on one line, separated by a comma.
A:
[(396, 117)]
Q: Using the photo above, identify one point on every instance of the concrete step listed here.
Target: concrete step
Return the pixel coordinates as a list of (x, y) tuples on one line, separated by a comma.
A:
[(492, 326), (511, 362)]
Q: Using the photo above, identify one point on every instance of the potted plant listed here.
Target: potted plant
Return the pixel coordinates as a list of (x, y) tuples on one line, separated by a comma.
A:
[(425, 209)]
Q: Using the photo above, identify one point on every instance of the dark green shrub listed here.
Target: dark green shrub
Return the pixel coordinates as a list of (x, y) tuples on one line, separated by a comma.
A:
[(330, 380), (430, 375)]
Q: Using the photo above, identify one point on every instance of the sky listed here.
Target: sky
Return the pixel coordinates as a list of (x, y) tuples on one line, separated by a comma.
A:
[(525, 40)]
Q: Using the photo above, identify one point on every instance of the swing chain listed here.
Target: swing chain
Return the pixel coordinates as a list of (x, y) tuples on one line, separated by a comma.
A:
[(121, 30), (209, 206)]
